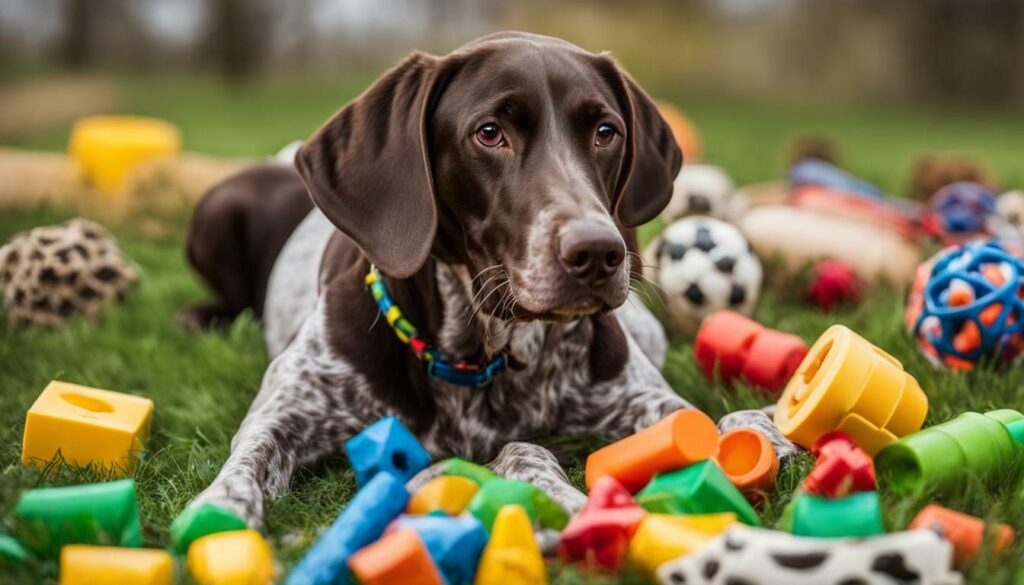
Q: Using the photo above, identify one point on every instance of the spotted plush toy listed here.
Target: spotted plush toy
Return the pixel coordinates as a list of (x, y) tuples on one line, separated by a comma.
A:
[(50, 273), (750, 556)]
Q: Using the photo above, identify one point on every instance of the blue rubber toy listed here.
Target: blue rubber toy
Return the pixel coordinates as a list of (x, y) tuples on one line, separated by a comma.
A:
[(362, 522), (386, 445), (455, 544), (823, 174), (993, 278), (963, 207)]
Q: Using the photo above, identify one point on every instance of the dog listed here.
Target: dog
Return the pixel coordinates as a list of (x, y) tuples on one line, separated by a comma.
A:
[(491, 195)]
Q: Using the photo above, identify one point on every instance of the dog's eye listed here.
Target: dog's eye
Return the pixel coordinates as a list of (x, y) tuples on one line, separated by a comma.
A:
[(490, 135), (605, 135)]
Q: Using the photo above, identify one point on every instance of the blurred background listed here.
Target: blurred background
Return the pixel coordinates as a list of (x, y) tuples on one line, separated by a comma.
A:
[(244, 77)]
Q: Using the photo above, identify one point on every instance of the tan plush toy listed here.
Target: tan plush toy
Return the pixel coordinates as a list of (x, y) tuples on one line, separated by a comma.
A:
[(50, 273)]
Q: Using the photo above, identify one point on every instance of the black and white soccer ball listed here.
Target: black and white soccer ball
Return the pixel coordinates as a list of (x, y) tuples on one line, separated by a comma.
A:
[(703, 265)]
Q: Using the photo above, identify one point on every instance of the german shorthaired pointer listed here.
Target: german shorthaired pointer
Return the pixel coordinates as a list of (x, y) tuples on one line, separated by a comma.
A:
[(495, 190)]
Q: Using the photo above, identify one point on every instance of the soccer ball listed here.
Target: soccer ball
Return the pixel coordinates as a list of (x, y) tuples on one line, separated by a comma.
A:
[(703, 265), (702, 190)]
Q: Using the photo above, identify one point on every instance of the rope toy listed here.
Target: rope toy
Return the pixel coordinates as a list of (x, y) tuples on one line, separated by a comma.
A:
[(51, 273), (970, 306)]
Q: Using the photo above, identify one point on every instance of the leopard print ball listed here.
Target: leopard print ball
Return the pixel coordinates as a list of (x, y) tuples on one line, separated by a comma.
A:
[(49, 274)]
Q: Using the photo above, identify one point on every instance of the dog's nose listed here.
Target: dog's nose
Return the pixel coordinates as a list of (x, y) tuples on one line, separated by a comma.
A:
[(591, 252)]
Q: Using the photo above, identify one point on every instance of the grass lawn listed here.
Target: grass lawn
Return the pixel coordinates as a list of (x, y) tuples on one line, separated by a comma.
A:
[(202, 384)]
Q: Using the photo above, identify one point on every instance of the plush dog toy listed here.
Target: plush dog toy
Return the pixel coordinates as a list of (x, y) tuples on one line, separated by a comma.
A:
[(50, 273)]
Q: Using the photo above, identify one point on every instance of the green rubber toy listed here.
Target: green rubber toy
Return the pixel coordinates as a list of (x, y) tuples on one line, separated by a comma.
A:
[(12, 552), (856, 515), (701, 488), (195, 522), (499, 492), (943, 456), (471, 471), (97, 513)]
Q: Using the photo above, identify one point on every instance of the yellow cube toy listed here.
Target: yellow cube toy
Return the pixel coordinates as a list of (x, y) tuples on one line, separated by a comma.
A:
[(88, 565), (108, 148), (88, 426), (663, 537), (449, 493), (239, 557), (512, 556)]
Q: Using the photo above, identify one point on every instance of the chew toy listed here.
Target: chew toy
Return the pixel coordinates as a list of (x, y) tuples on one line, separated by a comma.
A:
[(701, 488), (88, 426), (661, 537), (841, 469), (512, 556), (603, 528), (942, 456), (834, 282), (859, 514), (89, 565), (748, 459), (362, 522), (845, 383), (825, 174), (738, 347), (498, 493), (965, 532), (386, 445), (240, 557), (455, 544), (684, 437), (448, 493), (399, 557), (196, 521), (748, 555), (12, 552), (478, 474), (100, 513), (108, 148)]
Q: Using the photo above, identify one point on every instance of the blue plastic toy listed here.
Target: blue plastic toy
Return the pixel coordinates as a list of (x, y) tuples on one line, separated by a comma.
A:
[(363, 521), (455, 544), (823, 174), (963, 208), (386, 445), (971, 307)]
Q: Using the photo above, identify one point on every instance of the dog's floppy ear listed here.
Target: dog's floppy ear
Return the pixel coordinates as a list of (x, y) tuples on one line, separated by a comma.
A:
[(368, 168), (652, 158)]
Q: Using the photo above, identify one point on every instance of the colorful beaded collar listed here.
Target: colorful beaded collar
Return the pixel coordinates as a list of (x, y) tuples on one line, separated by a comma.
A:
[(458, 372)]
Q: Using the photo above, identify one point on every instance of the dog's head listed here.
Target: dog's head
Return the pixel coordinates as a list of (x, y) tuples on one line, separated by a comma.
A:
[(523, 157)]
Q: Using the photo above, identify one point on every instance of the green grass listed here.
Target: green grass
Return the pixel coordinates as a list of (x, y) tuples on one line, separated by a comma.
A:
[(202, 384)]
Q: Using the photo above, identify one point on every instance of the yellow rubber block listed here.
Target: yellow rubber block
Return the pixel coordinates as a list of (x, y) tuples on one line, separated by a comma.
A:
[(449, 493), (108, 148), (663, 537), (846, 383), (93, 565), (239, 557), (89, 426), (511, 556)]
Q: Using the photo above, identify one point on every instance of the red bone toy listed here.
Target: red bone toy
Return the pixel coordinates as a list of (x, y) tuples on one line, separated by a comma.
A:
[(842, 468), (603, 527), (741, 347)]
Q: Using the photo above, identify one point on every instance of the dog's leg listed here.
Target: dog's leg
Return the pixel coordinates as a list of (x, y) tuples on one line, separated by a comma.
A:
[(298, 417)]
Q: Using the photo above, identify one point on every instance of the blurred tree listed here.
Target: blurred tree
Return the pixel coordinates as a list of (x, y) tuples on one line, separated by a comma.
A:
[(75, 49), (239, 36)]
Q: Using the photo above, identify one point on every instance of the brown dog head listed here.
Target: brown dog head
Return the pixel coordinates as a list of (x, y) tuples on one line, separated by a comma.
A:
[(523, 157)]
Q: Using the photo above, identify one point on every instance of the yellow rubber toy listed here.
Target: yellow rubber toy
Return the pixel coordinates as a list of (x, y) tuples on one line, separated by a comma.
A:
[(87, 565), (449, 493), (108, 148), (845, 383), (511, 556), (239, 557), (662, 537), (89, 426)]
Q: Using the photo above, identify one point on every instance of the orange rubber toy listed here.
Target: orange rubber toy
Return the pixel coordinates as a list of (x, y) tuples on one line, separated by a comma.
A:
[(399, 557), (682, 438), (738, 347), (965, 532), (748, 459)]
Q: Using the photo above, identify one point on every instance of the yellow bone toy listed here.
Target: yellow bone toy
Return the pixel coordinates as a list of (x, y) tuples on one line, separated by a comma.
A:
[(845, 383), (512, 556), (662, 537), (449, 493), (86, 565), (239, 557)]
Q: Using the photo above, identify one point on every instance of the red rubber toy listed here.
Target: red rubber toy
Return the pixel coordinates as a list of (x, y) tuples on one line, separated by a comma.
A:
[(601, 532), (739, 347), (842, 467), (834, 282)]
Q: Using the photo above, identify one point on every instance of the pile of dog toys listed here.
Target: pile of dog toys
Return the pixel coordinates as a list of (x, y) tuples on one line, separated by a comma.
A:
[(675, 502)]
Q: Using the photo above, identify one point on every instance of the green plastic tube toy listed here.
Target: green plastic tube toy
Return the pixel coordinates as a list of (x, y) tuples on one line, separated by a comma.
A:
[(858, 514), (96, 513), (943, 456)]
